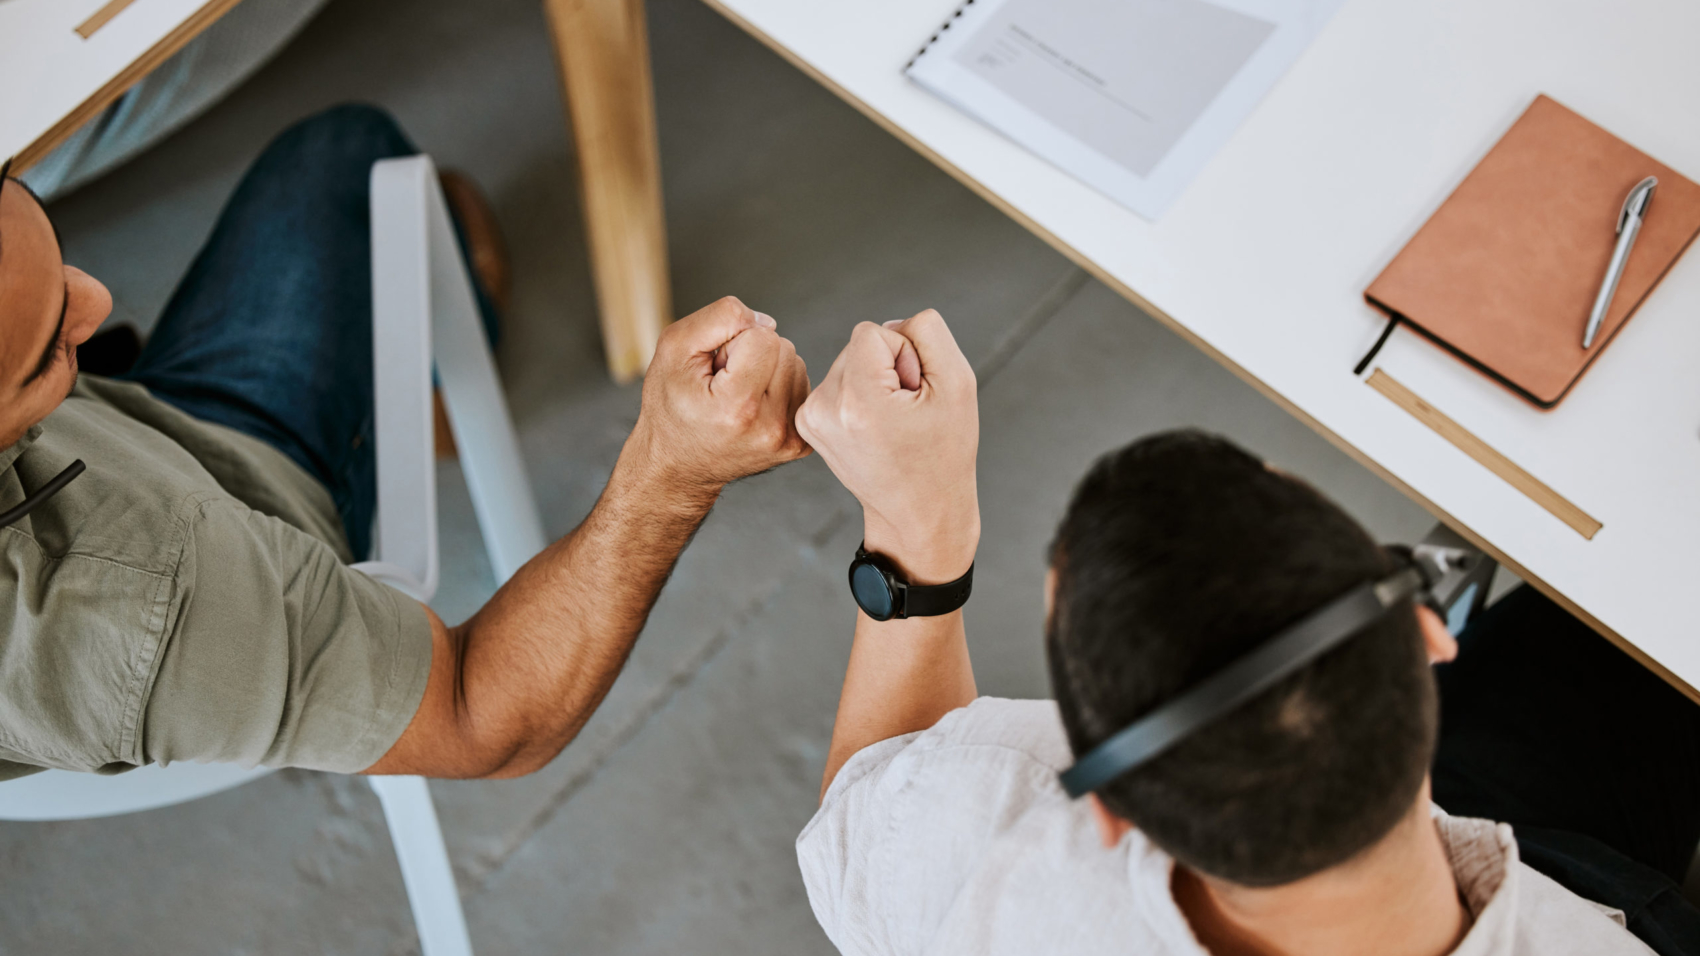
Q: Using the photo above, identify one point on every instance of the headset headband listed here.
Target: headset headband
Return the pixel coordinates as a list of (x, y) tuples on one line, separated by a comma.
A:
[(1262, 667)]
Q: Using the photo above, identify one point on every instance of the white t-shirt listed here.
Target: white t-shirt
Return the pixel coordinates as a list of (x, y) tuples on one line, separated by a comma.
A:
[(959, 839)]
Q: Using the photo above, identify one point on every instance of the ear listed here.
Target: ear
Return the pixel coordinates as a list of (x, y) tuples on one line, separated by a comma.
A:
[(1050, 591), (1442, 646), (1111, 828)]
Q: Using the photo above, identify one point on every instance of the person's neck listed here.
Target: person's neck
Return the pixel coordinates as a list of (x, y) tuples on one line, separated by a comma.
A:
[(1398, 898)]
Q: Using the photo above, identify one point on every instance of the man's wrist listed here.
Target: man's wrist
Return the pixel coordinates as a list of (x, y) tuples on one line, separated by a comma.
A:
[(644, 472), (937, 555)]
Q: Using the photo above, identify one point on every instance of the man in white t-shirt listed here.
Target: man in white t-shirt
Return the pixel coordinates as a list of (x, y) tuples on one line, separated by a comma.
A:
[(1299, 821)]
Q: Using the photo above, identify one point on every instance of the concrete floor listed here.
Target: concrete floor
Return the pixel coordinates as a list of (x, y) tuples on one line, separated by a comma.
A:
[(667, 827)]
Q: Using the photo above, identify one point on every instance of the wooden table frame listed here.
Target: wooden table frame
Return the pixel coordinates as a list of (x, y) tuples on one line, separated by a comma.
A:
[(603, 50)]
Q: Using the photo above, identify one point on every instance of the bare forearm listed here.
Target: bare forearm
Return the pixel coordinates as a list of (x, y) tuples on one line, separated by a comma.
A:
[(905, 675), (541, 655), (509, 688)]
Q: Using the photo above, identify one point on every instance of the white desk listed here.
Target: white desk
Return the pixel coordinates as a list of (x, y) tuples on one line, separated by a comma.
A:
[(53, 78), (1263, 260)]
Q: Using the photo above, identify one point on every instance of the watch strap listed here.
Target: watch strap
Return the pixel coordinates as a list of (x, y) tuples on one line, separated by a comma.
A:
[(935, 599), (931, 600)]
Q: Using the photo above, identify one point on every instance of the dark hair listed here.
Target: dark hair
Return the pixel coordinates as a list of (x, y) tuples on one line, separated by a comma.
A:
[(1178, 554)]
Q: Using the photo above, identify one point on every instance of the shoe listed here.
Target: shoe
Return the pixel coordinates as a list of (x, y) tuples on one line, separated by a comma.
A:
[(489, 256), (484, 245)]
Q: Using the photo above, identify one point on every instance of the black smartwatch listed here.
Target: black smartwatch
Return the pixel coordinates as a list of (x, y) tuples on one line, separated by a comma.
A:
[(883, 595)]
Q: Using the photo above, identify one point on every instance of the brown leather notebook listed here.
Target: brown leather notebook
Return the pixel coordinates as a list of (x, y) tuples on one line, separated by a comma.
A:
[(1504, 273)]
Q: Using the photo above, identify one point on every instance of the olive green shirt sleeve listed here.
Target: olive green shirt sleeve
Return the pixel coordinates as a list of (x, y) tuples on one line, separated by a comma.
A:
[(278, 654), (186, 598)]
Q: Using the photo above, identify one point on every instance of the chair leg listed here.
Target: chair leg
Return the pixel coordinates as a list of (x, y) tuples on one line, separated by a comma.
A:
[(485, 438), (603, 48), (425, 866), (418, 271)]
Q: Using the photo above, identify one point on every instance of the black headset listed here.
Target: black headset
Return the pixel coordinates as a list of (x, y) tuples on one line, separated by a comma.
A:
[(1423, 570), (53, 487)]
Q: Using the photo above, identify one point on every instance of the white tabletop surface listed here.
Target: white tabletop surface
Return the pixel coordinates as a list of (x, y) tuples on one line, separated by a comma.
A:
[(1266, 255), (47, 70)]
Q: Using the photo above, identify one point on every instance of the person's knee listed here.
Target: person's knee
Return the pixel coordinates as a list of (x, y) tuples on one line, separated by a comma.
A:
[(357, 123), (351, 136)]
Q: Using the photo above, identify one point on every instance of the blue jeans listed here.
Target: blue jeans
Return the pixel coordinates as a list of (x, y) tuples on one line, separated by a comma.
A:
[(270, 332)]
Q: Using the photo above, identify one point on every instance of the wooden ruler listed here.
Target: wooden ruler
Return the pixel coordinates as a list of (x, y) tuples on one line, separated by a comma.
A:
[(102, 17), (1538, 491)]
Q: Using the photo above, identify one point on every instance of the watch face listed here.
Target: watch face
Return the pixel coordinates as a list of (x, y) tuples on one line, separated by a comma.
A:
[(871, 591)]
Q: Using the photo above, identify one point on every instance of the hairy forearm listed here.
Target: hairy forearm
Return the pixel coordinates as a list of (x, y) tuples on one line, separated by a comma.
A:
[(540, 656), (510, 687), (904, 675)]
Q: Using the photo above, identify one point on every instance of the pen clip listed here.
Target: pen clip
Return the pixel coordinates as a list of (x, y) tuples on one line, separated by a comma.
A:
[(1636, 202)]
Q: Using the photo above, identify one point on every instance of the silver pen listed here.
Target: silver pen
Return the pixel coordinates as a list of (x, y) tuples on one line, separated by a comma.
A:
[(1628, 226)]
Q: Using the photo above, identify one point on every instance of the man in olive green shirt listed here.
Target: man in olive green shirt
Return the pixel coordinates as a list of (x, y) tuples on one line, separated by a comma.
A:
[(188, 596)]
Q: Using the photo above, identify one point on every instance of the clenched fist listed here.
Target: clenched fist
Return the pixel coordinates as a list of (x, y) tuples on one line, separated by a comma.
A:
[(897, 419), (719, 400)]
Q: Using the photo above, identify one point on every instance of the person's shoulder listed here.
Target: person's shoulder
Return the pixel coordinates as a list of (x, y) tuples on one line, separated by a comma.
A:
[(979, 773), (1518, 909), (191, 458), (989, 737), (1553, 920), (123, 510), (156, 477), (963, 832), (1030, 728), (964, 759)]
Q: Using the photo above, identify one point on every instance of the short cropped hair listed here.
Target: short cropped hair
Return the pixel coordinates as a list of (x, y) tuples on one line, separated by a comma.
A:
[(1178, 554)]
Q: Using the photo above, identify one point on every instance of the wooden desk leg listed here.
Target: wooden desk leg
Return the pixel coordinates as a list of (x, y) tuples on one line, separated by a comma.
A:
[(603, 46)]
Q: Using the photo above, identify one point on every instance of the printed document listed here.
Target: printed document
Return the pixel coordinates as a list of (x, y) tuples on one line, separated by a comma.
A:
[(1131, 96)]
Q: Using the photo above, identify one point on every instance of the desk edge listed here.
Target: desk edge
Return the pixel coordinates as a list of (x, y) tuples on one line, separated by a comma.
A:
[(1139, 301), (88, 109)]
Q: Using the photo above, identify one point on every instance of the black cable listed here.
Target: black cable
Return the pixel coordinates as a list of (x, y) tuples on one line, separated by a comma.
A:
[(1374, 350), (31, 502)]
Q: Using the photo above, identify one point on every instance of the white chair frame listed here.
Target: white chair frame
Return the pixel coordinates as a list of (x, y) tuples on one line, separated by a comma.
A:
[(423, 308)]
